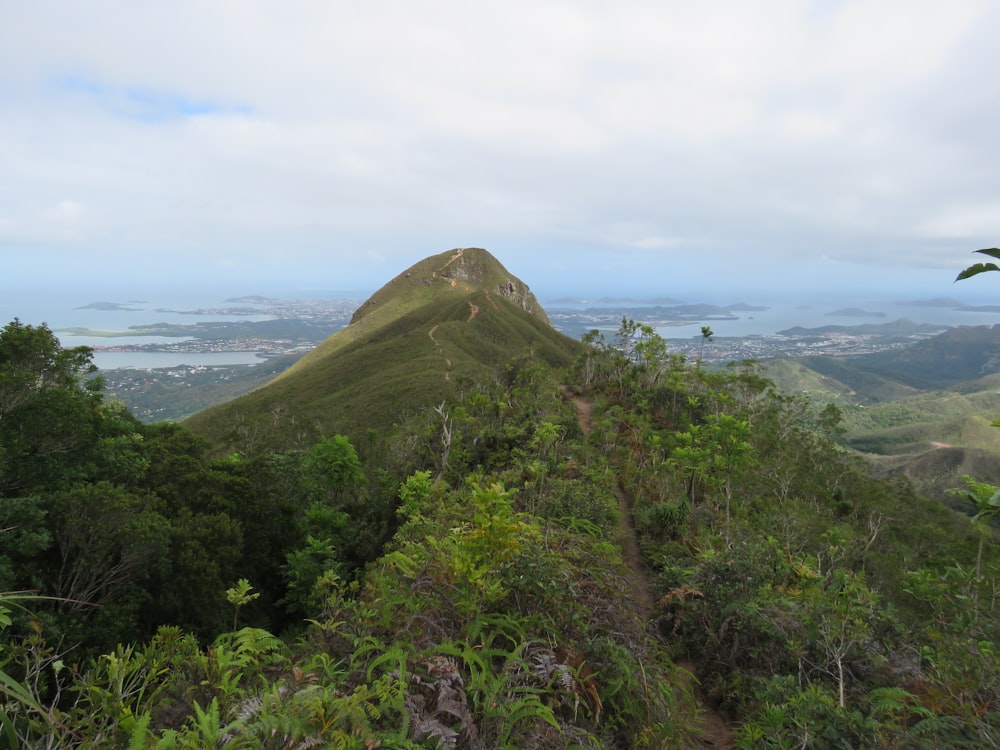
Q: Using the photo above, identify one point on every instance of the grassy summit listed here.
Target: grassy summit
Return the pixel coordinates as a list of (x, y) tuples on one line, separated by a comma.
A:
[(443, 323)]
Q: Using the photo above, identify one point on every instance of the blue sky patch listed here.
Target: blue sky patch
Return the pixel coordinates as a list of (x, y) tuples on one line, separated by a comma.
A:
[(143, 104)]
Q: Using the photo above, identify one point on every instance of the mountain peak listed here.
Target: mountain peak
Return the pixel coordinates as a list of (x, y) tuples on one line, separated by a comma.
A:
[(462, 270), (451, 319)]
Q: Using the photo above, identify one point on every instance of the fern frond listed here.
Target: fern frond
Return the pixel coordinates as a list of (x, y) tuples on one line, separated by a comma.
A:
[(528, 708)]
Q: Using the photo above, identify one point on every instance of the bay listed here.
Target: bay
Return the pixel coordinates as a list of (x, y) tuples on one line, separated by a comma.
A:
[(148, 360)]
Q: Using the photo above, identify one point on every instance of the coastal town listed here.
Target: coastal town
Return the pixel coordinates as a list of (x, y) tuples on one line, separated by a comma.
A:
[(832, 344), (295, 327), (275, 333)]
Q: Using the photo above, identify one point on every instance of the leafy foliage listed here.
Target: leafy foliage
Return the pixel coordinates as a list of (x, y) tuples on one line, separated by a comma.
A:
[(978, 268), (460, 579)]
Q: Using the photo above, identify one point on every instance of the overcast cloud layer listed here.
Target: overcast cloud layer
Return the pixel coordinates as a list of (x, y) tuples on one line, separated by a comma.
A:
[(587, 144)]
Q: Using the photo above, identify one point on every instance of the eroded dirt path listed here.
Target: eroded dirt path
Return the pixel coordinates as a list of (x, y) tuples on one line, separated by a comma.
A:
[(715, 731), (632, 555), (473, 312), (437, 345), (626, 530)]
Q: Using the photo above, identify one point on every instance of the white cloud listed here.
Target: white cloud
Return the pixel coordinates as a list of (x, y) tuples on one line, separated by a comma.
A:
[(964, 221), (65, 213), (658, 243), (270, 131)]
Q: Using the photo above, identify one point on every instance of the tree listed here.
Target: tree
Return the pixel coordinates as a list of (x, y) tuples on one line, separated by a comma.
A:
[(107, 539), (986, 500), (49, 410), (33, 361), (240, 596), (706, 336), (985, 497), (332, 468), (710, 453)]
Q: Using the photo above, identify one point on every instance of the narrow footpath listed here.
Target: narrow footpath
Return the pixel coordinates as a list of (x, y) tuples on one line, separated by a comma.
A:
[(715, 730)]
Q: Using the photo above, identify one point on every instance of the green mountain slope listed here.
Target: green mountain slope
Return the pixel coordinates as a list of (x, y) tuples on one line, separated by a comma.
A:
[(944, 361), (449, 320), (958, 354), (924, 411), (641, 553)]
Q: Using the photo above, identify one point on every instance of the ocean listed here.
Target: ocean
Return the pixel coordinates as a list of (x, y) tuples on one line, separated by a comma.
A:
[(68, 308), (784, 313)]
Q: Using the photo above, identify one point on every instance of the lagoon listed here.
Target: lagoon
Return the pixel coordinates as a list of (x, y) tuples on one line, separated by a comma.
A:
[(150, 360)]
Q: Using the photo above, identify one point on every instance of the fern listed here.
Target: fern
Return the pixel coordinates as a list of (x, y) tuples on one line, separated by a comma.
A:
[(399, 562), (889, 701), (139, 733), (484, 684), (250, 646), (206, 722), (944, 731), (396, 658), (485, 629), (581, 526), (364, 646), (528, 708)]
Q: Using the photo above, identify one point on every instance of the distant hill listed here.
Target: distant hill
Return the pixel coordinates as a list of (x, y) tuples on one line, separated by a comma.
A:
[(924, 410), (957, 355), (901, 327), (855, 312), (445, 322), (954, 356)]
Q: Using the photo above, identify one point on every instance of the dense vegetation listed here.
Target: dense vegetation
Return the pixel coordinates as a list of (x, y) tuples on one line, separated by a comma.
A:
[(458, 579)]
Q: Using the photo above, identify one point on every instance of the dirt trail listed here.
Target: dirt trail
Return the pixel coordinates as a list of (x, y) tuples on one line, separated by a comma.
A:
[(437, 345), (473, 312), (458, 254), (715, 731), (626, 530)]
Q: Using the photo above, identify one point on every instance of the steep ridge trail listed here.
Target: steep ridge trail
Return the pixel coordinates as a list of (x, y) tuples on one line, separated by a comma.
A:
[(459, 252), (715, 731), (473, 312), (437, 345), (626, 530)]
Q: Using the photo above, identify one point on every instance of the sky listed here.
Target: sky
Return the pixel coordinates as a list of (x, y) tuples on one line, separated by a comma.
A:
[(594, 147)]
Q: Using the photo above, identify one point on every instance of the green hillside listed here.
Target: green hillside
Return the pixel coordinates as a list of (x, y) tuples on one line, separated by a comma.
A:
[(957, 355), (632, 551), (638, 553), (924, 411), (887, 415), (446, 322)]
